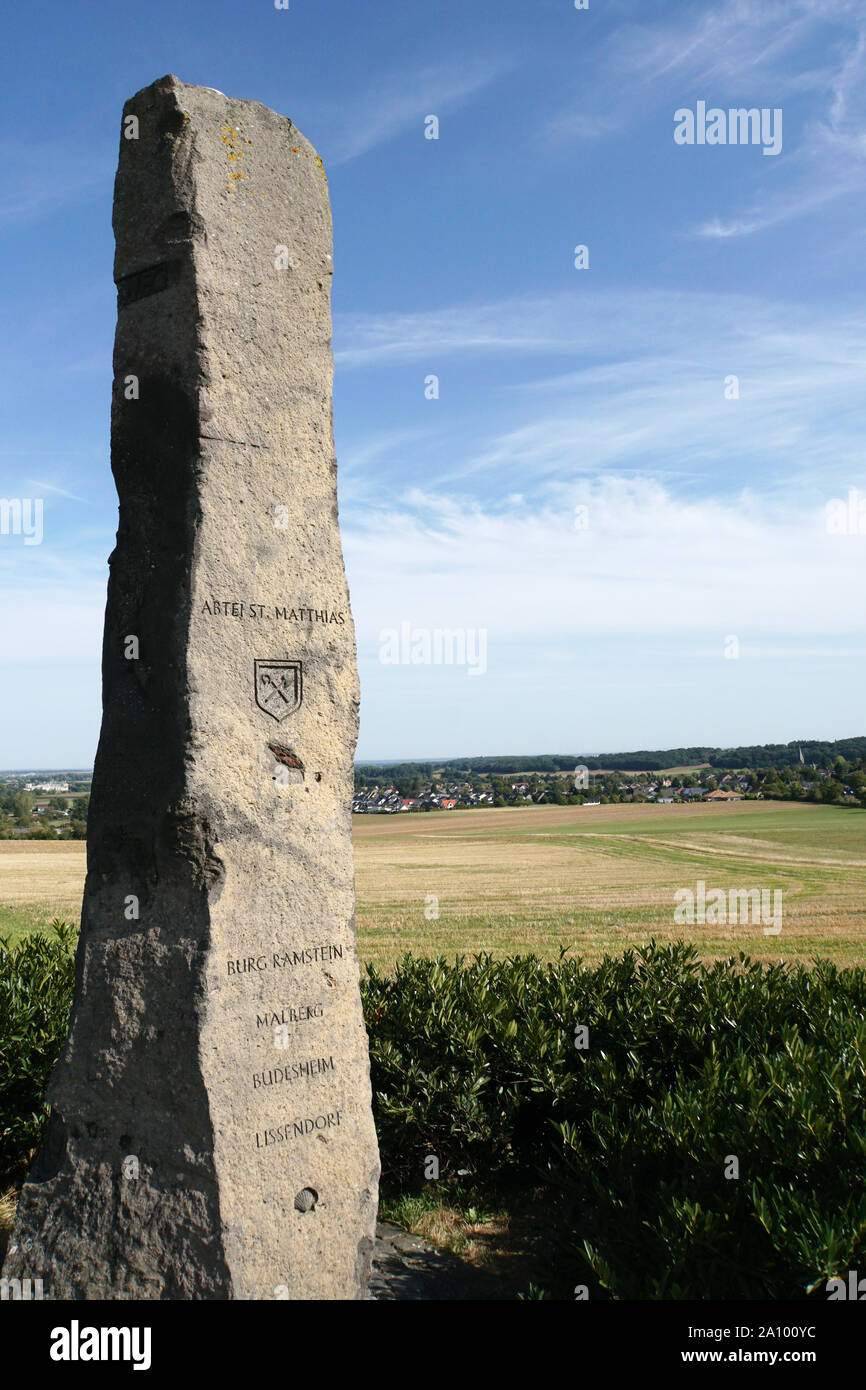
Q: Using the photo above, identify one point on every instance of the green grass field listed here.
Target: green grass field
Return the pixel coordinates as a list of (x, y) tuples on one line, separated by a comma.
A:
[(590, 879)]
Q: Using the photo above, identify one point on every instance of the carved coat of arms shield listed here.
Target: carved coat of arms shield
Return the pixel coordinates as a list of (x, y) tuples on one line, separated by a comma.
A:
[(279, 687)]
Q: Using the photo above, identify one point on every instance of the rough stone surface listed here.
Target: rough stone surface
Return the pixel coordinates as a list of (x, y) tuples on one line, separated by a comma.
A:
[(212, 1134)]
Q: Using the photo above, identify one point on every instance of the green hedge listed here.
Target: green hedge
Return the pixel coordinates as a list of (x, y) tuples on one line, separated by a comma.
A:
[(687, 1067), (37, 973)]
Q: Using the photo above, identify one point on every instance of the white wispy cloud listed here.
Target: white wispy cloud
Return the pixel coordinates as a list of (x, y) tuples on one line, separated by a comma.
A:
[(642, 387), (649, 562), (363, 340), (729, 45), (58, 491), (640, 323), (715, 227), (735, 43), (734, 53), (401, 101)]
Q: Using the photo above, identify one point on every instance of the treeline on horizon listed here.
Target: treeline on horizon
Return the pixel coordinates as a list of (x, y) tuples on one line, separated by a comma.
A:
[(816, 752)]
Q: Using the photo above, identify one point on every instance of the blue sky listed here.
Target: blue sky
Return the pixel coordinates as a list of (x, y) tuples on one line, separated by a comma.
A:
[(559, 388)]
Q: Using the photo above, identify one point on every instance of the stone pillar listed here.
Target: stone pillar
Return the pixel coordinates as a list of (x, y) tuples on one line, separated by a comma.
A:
[(211, 1133)]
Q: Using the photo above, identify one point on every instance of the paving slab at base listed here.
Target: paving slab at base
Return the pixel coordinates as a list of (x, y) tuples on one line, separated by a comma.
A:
[(405, 1267)]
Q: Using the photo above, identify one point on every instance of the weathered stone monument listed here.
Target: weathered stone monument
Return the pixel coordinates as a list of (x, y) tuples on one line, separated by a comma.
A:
[(211, 1133)]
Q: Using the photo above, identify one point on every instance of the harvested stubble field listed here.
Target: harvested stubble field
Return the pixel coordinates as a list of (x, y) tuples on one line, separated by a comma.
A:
[(594, 879), (599, 879)]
